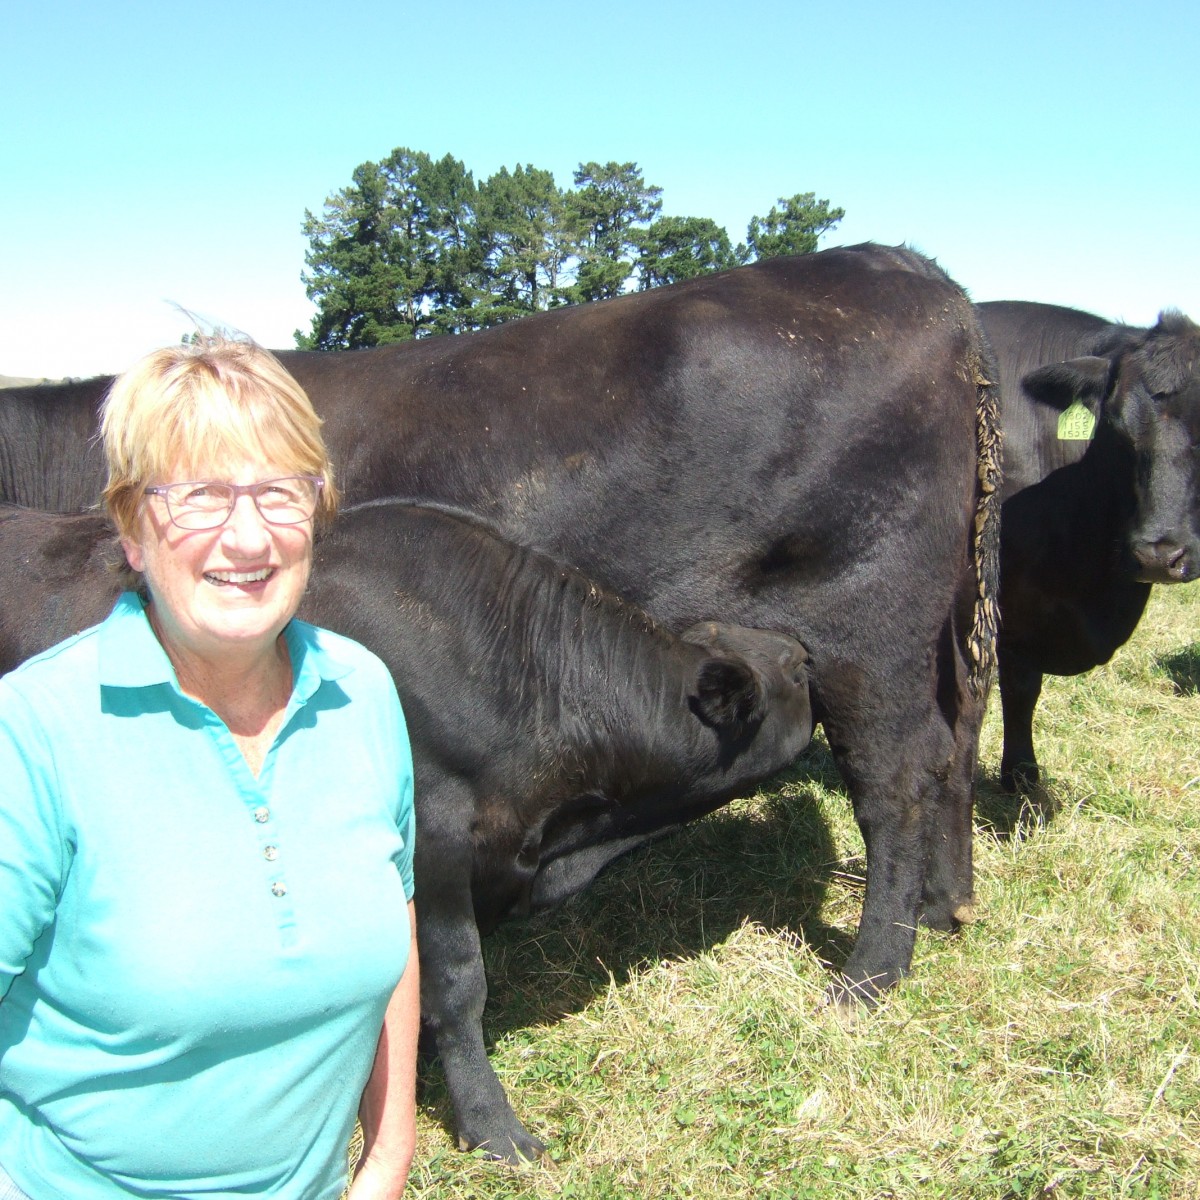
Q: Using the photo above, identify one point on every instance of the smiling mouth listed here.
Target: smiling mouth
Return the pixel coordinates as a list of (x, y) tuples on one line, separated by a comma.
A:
[(227, 578)]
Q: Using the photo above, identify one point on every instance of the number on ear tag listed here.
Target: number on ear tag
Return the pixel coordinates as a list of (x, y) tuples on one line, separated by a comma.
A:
[(1076, 424)]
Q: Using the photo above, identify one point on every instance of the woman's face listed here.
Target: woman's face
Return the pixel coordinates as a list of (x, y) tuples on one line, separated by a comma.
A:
[(220, 591)]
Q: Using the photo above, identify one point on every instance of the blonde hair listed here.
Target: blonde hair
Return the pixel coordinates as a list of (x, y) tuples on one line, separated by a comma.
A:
[(188, 407)]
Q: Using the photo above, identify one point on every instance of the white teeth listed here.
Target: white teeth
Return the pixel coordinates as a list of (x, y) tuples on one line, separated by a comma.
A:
[(238, 576)]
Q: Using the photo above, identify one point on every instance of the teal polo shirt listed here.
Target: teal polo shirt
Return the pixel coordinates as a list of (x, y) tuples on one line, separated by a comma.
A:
[(194, 962)]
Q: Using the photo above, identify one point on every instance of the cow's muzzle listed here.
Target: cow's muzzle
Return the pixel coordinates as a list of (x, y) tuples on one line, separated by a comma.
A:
[(1165, 561)]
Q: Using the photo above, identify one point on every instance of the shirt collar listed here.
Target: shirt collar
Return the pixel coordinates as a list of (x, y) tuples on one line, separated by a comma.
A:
[(131, 656), (312, 662)]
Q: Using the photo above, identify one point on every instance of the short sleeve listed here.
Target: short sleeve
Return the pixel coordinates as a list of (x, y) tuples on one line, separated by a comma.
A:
[(34, 850), (405, 813)]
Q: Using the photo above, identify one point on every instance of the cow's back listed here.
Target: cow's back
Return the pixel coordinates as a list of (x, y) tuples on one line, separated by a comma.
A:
[(763, 444)]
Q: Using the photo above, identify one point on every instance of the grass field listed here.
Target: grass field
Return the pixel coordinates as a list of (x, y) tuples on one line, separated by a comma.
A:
[(665, 1035)]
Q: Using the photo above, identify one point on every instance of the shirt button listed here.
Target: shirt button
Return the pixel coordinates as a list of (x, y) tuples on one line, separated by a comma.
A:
[(270, 853), (279, 889), (262, 814)]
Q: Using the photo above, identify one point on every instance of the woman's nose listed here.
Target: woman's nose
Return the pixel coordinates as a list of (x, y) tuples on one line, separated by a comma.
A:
[(246, 530)]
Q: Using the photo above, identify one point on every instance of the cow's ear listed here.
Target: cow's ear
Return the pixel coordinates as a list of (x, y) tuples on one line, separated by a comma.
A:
[(1061, 384), (727, 693)]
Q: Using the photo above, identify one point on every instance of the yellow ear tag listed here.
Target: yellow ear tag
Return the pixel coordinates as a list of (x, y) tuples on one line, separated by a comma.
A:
[(1076, 424)]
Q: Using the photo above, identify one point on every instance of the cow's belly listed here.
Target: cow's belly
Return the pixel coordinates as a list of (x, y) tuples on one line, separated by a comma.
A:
[(1072, 634)]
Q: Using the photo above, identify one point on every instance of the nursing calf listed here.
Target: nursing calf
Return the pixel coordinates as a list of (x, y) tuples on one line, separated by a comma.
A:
[(554, 726)]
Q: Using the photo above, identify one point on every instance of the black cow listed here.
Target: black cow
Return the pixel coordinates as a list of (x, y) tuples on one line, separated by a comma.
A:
[(1088, 523), (55, 578), (49, 455), (805, 444), (554, 726)]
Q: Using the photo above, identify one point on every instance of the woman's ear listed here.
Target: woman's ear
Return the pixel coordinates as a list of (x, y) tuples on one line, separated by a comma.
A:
[(133, 553)]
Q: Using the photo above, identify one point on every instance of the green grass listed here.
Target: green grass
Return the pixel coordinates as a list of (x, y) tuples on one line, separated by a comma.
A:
[(665, 1034)]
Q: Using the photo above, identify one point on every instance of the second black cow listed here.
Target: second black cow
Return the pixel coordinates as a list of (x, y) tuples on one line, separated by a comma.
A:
[(554, 726), (1101, 492)]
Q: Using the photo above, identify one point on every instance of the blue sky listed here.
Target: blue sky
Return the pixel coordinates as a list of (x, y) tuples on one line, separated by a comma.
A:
[(157, 153)]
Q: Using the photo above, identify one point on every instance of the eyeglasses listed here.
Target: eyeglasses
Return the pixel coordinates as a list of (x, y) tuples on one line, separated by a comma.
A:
[(206, 504)]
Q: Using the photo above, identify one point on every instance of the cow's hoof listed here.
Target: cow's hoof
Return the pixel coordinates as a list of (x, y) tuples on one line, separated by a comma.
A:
[(849, 1001), (947, 915), (1022, 779), (514, 1146)]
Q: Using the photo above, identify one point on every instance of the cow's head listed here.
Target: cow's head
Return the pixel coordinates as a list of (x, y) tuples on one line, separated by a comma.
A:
[(753, 691), (1147, 394)]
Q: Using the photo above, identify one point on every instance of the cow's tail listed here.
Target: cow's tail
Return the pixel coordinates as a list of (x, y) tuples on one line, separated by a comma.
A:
[(981, 641)]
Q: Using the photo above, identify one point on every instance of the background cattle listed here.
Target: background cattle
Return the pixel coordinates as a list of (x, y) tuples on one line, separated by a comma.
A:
[(54, 578), (1088, 523), (554, 726), (805, 444), (49, 455)]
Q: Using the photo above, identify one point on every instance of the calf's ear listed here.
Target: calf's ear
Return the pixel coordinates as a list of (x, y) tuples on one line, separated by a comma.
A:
[(1061, 384), (727, 694)]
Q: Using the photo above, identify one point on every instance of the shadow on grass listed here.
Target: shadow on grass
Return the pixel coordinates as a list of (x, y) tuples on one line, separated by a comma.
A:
[(769, 863), (1010, 813), (1183, 669)]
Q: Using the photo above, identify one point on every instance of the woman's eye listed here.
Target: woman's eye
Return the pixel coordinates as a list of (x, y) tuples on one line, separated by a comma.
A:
[(204, 494)]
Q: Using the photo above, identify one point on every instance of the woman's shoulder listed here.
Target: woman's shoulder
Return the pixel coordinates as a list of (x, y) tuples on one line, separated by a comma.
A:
[(62, 673), (50, 691), (66, 660), (335, 653)]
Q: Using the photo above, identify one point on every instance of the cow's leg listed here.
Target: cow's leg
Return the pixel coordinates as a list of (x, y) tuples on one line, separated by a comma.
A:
[(897, 778), (453, 994), (949, 894), (1020, 687)]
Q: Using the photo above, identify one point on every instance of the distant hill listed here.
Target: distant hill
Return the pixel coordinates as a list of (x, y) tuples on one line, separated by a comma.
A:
[(20, 381)]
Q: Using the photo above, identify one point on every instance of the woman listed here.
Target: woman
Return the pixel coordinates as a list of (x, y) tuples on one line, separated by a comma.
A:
[(206, 823)]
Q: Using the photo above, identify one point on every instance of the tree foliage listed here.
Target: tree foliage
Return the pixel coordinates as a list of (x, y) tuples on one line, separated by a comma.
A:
[(527, 242), (676, 248), (413, 246), (394, 254), (611, 203), (793, 228)]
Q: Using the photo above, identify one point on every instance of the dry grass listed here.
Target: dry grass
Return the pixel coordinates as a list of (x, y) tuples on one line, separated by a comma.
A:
[(665, 1034)]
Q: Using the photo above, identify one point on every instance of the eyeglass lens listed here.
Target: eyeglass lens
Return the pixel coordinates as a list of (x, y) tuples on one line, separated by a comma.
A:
[(206, 505)]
